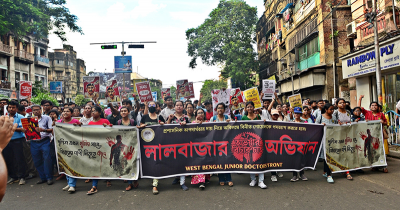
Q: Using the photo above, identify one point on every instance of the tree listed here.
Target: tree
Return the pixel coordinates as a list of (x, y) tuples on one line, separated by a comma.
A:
[(37, 18), (173, 92), (210, 85), (226, 38), (37, 88), (44, 96), (80, 100)]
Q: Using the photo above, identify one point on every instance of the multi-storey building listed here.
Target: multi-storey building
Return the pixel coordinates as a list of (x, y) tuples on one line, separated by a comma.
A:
[(359, 65), (66, 67), (24, 59), (299, 42), (136, 78)]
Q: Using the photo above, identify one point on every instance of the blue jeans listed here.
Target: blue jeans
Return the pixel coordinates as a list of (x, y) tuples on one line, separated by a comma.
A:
[(71, 181), (224, 178), (260, 177), (42, 158), (94, 182)]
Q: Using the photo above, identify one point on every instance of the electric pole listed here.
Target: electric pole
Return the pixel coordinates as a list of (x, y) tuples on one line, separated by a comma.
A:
[(377, 60)]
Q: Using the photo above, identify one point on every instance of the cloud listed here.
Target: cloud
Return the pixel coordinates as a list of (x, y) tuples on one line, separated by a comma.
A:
[(145, 8)]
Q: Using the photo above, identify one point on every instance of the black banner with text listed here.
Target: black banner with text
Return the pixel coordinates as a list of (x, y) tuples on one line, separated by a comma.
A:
[(242, 147)]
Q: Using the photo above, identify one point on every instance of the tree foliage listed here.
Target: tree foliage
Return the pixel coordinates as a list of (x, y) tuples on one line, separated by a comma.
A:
[(210, 85), (226, 37), (80, 100), (37, 88), (44, 96), (36, 17)]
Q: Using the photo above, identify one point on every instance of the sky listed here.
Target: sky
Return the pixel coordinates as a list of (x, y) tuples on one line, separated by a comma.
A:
[(163, 21)]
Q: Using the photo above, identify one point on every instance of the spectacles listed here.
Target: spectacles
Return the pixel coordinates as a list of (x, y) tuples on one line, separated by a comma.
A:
[(200, 113), (5, 103), (152, 105), (46, 105)]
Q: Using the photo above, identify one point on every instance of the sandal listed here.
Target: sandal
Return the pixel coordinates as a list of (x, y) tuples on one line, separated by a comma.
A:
[(230, 184), (349, 177), (222, 183), (108, 184), (92, 191), (130, 186), (88, 180), (385, 170), (155, 191)]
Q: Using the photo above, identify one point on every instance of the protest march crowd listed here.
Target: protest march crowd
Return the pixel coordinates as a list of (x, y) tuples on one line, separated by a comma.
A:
[(27, 159)]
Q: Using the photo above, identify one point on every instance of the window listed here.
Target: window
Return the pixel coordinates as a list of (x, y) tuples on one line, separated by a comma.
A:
[(25, 77), (36, 78), (59, 61), (309, 49)]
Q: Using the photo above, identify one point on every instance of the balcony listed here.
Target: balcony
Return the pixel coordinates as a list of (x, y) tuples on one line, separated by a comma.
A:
[(42, 61), (24, 56), (5, 85), (5, 50)]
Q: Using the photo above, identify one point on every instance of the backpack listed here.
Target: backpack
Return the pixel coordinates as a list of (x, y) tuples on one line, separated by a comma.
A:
[(132, 122)]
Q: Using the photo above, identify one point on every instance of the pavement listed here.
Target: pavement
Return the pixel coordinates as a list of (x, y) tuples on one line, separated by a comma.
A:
[(394, 151), (368, 190)]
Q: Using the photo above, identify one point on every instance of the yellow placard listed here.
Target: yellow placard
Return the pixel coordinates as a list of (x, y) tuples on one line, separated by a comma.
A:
[(272, 78), (295, 100), (253, 95)]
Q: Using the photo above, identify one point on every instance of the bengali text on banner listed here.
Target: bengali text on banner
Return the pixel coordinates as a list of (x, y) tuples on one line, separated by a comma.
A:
[(241, 147)]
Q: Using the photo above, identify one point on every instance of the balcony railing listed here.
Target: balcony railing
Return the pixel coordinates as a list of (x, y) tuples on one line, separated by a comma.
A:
[(42, 59), (5, 85), (5, 48), (23, 54)]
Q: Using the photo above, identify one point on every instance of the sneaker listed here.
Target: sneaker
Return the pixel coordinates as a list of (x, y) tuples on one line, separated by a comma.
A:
[(202, 187), (273, 178), (30, 176), (49, 182), (325, 175), (65, 188), (330, 180), (71, 190), (176, 181), (12, 180), (304, 178), (294, 179), (253, 183), (280, 175), (184, 188), (262, 185), (22, 181)]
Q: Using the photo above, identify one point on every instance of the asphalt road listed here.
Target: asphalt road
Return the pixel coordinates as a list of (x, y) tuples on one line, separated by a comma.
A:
[(371, 190)]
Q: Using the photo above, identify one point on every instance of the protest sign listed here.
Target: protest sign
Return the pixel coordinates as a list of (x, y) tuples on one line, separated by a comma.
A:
[(30, 124), (144, 91), (221, 96), (165, 92), (112, 94), (268, 90), (97, 152), (236, 147), (354, 146), (191, 90), (91, 87), (295, 100), (253, 95), (182, 88), (25, 90), (154, 94), (236, 99)]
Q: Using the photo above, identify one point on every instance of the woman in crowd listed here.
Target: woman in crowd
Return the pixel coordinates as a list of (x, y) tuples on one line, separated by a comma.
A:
[(306, 114), (190, 112), (276, 104), (97, 120), (297, 119), (220, 117), (343, 116), (285, 112), (250, 115), (54, 115), (200, 179), (327, 118), (67, 118), (179, 118), (87, 115), (151, 119)]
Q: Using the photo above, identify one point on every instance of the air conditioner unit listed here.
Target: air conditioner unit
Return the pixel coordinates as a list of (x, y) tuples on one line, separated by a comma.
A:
[(351, 29)]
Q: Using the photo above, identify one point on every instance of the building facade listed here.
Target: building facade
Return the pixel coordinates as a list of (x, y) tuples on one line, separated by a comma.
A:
[(65, 67), (359, 66), (299, 42), (137, 78), (25, 59)]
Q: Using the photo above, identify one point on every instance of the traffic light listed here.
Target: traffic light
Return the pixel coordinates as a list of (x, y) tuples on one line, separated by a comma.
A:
[(136, 46), (106, 47)]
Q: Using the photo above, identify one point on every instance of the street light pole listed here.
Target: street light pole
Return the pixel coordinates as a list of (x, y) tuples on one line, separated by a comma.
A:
[(377, 59)]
